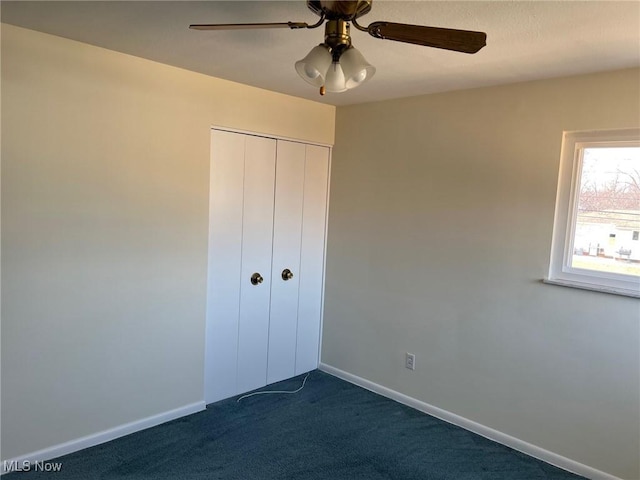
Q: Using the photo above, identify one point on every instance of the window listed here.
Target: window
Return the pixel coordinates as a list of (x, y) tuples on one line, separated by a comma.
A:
[(595, 236)]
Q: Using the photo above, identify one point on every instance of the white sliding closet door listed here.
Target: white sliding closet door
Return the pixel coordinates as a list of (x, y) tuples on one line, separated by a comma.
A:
[(268, 205), (287, 240)]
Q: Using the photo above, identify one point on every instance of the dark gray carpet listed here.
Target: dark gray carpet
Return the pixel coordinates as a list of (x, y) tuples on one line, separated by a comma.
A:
[(331, 430)]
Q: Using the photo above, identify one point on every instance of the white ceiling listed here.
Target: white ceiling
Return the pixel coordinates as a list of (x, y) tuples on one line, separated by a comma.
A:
[(526, 40)]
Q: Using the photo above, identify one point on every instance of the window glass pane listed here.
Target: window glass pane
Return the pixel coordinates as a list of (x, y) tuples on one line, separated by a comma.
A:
[(608, 211)]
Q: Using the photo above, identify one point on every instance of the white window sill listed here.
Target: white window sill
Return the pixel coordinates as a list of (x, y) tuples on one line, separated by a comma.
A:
[(594, 288)]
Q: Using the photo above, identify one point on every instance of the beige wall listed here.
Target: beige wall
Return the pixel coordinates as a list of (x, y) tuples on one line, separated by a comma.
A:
[(439, 235), (105, 164)]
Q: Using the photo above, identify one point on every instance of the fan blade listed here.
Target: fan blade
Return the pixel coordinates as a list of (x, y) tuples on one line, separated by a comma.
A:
[(245, 26), (449, 39)]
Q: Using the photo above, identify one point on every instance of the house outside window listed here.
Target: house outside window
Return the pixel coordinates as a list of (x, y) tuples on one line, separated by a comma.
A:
[(596, 241)]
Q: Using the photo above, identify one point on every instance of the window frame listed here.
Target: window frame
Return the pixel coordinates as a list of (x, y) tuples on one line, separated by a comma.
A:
[(560, 270)]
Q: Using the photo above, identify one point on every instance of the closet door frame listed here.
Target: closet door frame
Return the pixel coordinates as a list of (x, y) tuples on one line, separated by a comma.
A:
[(209, 343)]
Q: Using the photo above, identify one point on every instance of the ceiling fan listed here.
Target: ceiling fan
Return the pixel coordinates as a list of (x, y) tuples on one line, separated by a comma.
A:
[(335, 65)]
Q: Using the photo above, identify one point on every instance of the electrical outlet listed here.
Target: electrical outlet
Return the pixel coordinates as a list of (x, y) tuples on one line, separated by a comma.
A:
[(410, 361)]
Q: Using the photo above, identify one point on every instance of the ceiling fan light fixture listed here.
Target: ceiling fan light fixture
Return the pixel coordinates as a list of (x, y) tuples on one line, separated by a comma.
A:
[(335, 65), (356, 69), (313, 68), (335, 81)]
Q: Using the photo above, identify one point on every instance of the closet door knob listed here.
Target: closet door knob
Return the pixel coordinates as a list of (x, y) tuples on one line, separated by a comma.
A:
[(287, 274), (256, 279)]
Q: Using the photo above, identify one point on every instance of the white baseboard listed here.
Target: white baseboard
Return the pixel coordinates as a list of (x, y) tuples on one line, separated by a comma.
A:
[(482, 430), (101, 437)]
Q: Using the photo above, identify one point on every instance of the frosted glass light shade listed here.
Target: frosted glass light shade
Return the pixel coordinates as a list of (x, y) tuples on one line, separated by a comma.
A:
[(313, 68), (335, 81), (356, 69)]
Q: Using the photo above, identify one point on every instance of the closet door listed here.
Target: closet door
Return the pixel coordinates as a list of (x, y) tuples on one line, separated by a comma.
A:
[(266, 261), (225, 252), (240, 245), (257, 236), (287, 240), (316, 178)]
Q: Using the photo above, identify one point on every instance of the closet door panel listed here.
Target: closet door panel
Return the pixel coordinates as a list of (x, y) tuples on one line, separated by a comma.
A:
[(223, 285), (257, 235), (287, 231), (312, 258)]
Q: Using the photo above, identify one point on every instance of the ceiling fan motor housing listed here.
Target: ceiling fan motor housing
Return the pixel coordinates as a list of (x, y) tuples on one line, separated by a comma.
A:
[(337, 37), (340, 9)]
